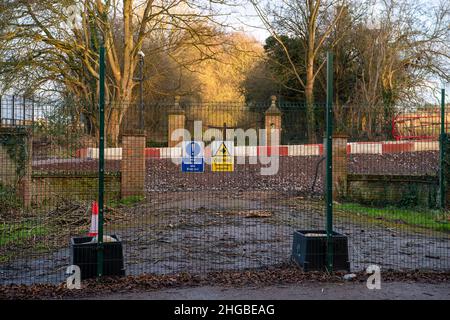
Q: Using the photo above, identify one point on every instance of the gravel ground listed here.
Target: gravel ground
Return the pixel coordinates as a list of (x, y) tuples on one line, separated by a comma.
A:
[(425, 162), (409, 163), (296, 174)]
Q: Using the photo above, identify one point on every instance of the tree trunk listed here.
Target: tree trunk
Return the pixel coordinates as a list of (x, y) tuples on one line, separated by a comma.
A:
[(309, 95), (113, 128), (118, 110)]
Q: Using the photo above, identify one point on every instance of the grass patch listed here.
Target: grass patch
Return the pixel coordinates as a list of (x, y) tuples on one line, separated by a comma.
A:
[(429, 219), (19, 233), (126, 202), (8, 199), (49, 231), (156, 144)]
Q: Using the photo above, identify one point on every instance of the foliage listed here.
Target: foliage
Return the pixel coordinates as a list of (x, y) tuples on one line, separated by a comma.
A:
[(16, 147), (279, 65), (429, 219), (155, 144), (19, 233), (383, 58), (384, 55), (410, 198), (41, 48), (61, 125), (9, 201), (221, 78), (126, 202)]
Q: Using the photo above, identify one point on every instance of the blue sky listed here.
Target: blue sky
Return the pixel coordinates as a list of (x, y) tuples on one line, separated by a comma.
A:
[(244, 18)]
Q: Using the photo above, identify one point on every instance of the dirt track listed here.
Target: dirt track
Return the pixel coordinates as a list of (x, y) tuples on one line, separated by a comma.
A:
[(187, 232)]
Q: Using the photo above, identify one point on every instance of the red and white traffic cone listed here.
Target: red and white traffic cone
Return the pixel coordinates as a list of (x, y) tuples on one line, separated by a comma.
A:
[(94, 222)]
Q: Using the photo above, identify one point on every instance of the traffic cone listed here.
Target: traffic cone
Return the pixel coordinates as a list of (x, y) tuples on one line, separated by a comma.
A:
[(94, 222)]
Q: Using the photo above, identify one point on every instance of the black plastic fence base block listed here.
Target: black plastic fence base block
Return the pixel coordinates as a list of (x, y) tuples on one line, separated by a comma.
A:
[(309, 250), (83, 253)]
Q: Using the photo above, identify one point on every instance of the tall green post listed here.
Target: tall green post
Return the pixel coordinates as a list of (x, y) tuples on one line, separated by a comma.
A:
[(442, 147), (101, 163), (329, 162)]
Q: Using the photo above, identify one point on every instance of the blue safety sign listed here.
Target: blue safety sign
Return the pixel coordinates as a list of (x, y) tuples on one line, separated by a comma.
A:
[(193, 157)]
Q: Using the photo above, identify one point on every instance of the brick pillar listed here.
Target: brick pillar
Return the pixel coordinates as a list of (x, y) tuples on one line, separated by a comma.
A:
[(133, 166), (340, 165), (177, 118), (273, 122)]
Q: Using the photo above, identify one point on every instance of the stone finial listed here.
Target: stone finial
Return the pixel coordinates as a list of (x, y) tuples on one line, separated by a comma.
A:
[(176, 109), (274, 100), (273, 110)]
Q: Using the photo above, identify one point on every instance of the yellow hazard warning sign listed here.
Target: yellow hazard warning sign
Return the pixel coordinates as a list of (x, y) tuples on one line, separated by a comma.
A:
[(222, 156)]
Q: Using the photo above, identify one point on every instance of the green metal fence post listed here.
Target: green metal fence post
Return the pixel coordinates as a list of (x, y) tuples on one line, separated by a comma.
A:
[(442, 147), (101, 166), (329, 164)]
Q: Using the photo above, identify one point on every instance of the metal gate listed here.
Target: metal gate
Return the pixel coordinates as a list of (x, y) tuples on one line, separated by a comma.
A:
[(241, 218)]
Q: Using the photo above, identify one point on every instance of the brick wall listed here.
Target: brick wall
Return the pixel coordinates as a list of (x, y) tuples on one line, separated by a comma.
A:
[(133, 166)]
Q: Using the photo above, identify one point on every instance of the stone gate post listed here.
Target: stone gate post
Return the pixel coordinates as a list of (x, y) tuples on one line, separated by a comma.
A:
[(177, 118), (273, 122), (340, 165)]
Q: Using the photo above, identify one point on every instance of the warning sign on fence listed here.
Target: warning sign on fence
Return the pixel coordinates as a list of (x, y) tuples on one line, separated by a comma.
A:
[(222, 156), (193, 157)]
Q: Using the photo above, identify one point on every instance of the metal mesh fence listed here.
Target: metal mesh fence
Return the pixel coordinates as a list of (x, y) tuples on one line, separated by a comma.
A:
[(386, 188), (17, 111), (390, 203)]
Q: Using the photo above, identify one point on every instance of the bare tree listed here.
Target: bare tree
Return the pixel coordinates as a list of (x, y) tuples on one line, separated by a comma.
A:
[(311, 21), (40, 48), (402, 47), (393, 50)]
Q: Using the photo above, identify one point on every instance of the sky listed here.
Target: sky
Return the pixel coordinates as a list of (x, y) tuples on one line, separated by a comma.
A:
[(244, 18)]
